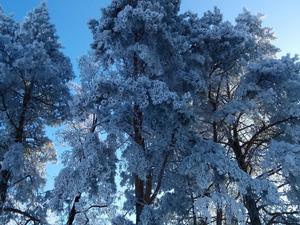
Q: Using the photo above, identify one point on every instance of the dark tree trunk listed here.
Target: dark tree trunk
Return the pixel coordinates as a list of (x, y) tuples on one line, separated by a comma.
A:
[(138, 138), (219, 216), (249, 200), (73, 212), (193, 210), (139, 183), (253, 211), (139, 195), (4, 178)]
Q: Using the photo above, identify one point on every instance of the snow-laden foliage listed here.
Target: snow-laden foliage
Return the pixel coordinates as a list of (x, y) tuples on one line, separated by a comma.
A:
[(199, 100), (85, 188), (33, 94), (178, 119), (89, 173)]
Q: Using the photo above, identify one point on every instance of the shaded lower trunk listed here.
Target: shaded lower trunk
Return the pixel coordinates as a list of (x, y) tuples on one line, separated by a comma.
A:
[(73, 212), (253, 211), (4, 178), (219, 216), (193, 210), (139, 196), (138, 182), (249, 201)]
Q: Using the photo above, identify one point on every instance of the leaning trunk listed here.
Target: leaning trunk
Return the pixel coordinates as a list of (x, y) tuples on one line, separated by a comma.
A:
[(73, 212)]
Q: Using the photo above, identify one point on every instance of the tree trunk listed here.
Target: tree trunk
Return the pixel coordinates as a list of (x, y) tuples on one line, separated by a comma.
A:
[(249, 201), (138, 182), (219, 216), (138, 68), (73, 212), (193, 210), (139, 195), (253, 211), (4, 178)]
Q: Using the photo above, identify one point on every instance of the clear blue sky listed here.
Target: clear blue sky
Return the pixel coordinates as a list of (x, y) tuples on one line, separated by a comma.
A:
[(71, 17)]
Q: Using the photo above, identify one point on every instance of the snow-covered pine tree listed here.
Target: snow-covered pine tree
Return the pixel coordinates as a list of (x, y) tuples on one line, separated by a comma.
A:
[(137, 93), (201, 114), (175, 86), (33, 94), (246, 102), (85, 189)]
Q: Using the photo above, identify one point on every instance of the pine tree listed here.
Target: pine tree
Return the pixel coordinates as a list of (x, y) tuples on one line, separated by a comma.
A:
[(199, 129), (193, 119), (33, 94)]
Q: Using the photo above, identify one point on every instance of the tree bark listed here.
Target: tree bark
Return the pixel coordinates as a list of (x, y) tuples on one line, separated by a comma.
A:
[(249, 201), (139, 183), (253, 211), (73, 212), (139, 195), (138, 68), (193, 210), (219, 216), (4, 178)]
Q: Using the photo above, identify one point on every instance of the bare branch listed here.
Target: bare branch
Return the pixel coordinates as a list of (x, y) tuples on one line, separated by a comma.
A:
[(23, 213)]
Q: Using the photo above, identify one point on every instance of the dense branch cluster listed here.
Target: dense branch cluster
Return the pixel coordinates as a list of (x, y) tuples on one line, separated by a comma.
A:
[(177, 119)]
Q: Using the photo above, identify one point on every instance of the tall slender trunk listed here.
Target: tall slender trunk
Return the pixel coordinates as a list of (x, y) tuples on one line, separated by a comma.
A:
[(219, 215), (139, 183), (143, 189), (138, 68)]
